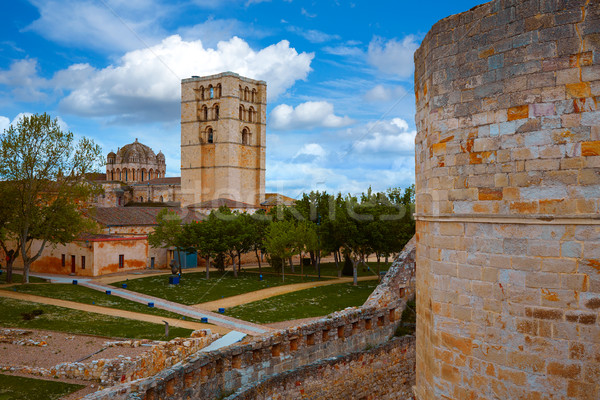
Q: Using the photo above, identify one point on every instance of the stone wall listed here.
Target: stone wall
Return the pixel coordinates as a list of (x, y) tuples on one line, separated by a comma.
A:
[(109, 372), (213, 374), (384, 372), (507, 191)]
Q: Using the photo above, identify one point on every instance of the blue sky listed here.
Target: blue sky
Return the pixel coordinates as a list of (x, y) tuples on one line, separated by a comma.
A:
[(340, 111)]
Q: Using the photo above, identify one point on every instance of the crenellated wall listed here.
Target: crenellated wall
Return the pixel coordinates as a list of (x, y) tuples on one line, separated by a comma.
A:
[(507, 192), (214, 374)]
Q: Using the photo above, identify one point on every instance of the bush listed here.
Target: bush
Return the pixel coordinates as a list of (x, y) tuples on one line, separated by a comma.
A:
[(31, 315)]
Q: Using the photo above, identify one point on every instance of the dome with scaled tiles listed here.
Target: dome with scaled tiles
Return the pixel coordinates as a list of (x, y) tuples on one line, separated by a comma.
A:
[(136, 152), (135, 163)]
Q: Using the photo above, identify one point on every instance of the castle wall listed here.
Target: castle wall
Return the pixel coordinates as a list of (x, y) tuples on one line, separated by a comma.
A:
[(385, 372), (213, 374), (507, 192)]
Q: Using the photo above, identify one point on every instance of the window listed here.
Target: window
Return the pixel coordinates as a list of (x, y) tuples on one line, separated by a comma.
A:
[(126, 175), (142, 175), (246, 93), (241, 113), (253, 95), (204, 113), (202, 92), (64, 261), (245, 136), (241, 93), (250, 114), (216, 107), (82, 262), (212, 92), (209, 135), (218, 90), (141, 199), (121, 260)]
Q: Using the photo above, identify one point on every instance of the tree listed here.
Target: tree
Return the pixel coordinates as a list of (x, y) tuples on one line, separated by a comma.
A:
[(46, 170), (259, 223), (7, 219), (280, 243), (168, 233), (197, 236)]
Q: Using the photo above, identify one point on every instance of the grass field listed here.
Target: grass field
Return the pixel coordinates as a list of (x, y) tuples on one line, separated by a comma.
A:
[(67, 320), (19, 388), (307, 303), (18, 278), (86, 295), (194, 288), (330, 270)]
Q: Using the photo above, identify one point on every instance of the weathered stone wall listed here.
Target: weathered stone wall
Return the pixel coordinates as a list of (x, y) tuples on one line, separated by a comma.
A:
[(508, 188), (112, 371), (212, 374), (385, 372)]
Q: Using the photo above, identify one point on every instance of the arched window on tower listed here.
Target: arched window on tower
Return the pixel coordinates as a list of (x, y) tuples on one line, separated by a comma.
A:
[(245, 136), (126, 175), (253, 95), (202, 92), (218, 91), (246, 93), (241, 93), (241, 112), (211, 91), (204, 113), (216, 111), (251, 114), (209, 135)]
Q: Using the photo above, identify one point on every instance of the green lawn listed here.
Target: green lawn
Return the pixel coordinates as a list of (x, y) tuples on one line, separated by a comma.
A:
[(86, 295), (19, 388), (329, 269), (74, 321), (194, 288), (18, 278), (307, 303)]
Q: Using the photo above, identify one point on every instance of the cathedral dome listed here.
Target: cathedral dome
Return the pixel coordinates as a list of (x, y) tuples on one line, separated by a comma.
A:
[(136, 152)]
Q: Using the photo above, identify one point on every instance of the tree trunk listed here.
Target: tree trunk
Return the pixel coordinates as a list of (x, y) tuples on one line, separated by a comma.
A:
[(292, 264), (179, 260), (235, 273), (337, 264), (207, 262), (27, 260), (301, 265), (379, 266), (11, 256), (258, 259), (355, 272), (239, 261)]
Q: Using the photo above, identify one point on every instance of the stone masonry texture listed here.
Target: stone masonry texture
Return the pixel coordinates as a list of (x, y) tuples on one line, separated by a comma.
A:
[(507, 192)]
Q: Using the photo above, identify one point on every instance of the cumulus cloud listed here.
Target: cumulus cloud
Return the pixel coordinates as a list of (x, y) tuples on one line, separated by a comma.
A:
[(393, 57), (4, 123), (386, 136), (310, 152), (313, 35), (383, 93), (22, 76), (312, 114), (146, 83)]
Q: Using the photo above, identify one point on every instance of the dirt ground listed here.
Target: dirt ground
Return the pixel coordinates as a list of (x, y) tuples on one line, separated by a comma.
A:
[(60, 347)]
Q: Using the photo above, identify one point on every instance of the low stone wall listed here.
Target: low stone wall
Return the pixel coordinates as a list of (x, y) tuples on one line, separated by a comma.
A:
[(211, 375), (384, 372), (125, 369)]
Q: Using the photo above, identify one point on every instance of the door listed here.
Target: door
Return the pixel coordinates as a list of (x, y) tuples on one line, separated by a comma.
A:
[(72, 264), (151, 262)]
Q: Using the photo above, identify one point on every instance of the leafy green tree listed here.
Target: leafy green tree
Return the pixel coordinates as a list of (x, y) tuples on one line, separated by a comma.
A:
[(259, 223), (168, 233), (47, 169), (8, 210), (197, 237), (281, 243)]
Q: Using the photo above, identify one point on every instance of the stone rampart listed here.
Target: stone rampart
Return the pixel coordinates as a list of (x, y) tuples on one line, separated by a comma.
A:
[(507, 192), (384, 372), (109, 372), (214, 374)]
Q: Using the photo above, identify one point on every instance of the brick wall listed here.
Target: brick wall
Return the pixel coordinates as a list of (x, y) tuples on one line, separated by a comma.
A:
[(384, 372), (214, 374), (507, 189)]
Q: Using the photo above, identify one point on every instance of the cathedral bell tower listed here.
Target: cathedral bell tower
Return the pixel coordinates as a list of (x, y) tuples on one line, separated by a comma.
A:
[(223, 139)]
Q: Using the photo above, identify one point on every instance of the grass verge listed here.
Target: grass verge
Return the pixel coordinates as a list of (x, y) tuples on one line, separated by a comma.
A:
[(19, 388), (329, 269), (313, 302), (194, 288), (86, 295), (62, 319), (18, 278)]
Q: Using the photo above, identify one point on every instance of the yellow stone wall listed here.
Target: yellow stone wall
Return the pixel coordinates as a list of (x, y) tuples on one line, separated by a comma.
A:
[(507, 192), (226, 168)]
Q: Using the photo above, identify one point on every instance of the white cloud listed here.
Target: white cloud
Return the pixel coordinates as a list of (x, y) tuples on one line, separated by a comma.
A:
[(212, 31), (311, 114), (310, 151), (23, 78), (393, 57), (307, 14), (146, 83), (106, 25), (4, 123), (382, 93), (313, 35), (385, 136)]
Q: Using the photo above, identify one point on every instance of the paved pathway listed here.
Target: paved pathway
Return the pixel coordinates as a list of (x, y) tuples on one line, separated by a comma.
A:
[(111, 311), (270, 292), (188, 311)]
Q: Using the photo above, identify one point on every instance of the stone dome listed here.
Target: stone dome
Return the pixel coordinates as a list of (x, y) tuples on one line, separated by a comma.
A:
[(136, 152)]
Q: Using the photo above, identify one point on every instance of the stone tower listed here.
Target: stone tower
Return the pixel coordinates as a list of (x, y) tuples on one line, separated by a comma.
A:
[(508, 203), (223, 139)]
